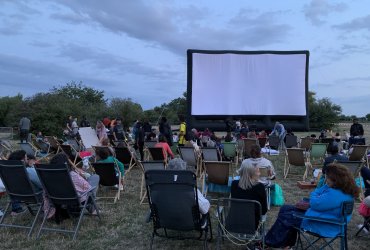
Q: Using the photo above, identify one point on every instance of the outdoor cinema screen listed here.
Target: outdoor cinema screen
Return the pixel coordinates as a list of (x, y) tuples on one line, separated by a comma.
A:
[(247, 83)]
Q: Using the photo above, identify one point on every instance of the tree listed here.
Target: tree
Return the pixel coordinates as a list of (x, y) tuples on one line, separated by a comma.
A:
[(323, 114), (10, 109), (126, 109)]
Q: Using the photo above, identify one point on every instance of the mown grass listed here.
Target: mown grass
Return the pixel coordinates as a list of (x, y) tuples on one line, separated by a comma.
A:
[(123, 227)]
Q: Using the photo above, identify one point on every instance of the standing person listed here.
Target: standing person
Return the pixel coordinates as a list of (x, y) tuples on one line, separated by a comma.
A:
[(69, 124), (165, 130), (279, 130), (139, 139), (24, 128), (356, 129), (119, 131), (182, 132), (84, 122), (74, 127), (101, 131)]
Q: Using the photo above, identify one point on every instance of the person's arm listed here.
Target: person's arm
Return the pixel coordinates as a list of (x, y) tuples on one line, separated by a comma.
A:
[(263, 197), (169, 151), (203, 203), (361, 129), (120, 166), (324, 198)]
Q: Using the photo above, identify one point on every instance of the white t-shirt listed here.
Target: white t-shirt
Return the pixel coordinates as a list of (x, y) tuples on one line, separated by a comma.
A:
[(261, 163)]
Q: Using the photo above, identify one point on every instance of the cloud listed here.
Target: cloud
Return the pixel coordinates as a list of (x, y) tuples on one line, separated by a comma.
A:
[(317, 9), (356, 24), (166, 28)]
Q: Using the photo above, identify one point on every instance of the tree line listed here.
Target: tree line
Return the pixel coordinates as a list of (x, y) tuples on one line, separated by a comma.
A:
[(49, 111)]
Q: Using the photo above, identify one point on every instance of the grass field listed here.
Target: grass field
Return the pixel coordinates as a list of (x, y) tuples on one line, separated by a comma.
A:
[(123, 226)]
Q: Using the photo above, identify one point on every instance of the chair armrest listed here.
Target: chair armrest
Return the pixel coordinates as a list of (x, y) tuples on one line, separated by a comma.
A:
[(331, 221), (86, 192)]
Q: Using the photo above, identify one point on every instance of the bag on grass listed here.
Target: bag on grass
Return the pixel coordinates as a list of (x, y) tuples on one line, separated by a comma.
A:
[(277, 196)]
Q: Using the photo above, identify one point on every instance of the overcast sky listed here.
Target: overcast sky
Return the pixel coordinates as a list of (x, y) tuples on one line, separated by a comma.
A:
[(137, 49)]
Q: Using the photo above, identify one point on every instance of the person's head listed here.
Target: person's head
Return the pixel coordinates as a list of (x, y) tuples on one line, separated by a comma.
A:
[(30, 160), (103, 153), (181, 118), (162, 138), (355, 120), (70, 117), (105, 141), (118, 121), (339, 177), (249, 175), (176, 164), (164, 119), (99, 124), (255, 151), (61, 158), (333, 148), (18, 155), (313, 136)]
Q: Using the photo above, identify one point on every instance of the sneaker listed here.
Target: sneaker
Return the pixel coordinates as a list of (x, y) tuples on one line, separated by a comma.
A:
[(364, 229), (18, 211), (121, 187)]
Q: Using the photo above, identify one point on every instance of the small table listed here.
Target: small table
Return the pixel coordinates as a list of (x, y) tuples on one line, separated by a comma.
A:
[(306, 184)]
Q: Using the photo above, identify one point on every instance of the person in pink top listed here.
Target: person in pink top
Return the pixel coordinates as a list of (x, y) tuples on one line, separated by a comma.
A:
[(163, 144)]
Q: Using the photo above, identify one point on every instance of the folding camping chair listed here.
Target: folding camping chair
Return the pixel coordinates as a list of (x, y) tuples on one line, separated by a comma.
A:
[(240, 221), (313, 238), (146, 166), (274, 142), (354, 167), (296, 157), (306, 143), (173, 201), (19, 188), (110, 176), (60, 191), (230, 153)]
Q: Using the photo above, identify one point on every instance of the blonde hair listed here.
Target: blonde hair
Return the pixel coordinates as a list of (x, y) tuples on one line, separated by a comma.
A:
[(247, 173)]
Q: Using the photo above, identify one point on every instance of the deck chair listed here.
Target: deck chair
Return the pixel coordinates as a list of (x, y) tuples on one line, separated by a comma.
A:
[(146, 166), (248, 143), (291, 141), (306, 143), (359, 153), (75, 144), (124, 155), (188, 155), (148, 144), (158, 154), (318, 153), (274, 142), (54, 143), (72, 154), (31, 150), (296, 157), (216, 172), (41, 146), (230, 153), (19, 188), (313, 239), (240, 221), (210, 154), (60, 191), (262, 141), (173, 201), (4, 151), (97, 148), (109, 177)]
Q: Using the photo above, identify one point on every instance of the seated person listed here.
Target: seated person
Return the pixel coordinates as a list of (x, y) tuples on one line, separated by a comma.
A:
[(248, 186), (20, 155), (257, 160), (325, 202), (333, 150), (81, 181), (179, 164), (229, 137), (365, 174), (104, 156), (164, 145)]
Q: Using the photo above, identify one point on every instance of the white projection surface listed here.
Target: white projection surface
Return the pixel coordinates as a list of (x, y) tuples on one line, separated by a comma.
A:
[(248, 84)]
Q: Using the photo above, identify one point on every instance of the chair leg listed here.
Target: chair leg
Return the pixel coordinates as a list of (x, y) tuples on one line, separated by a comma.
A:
[(34, 221), (80, 218), (6, 210), (46, 213)]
